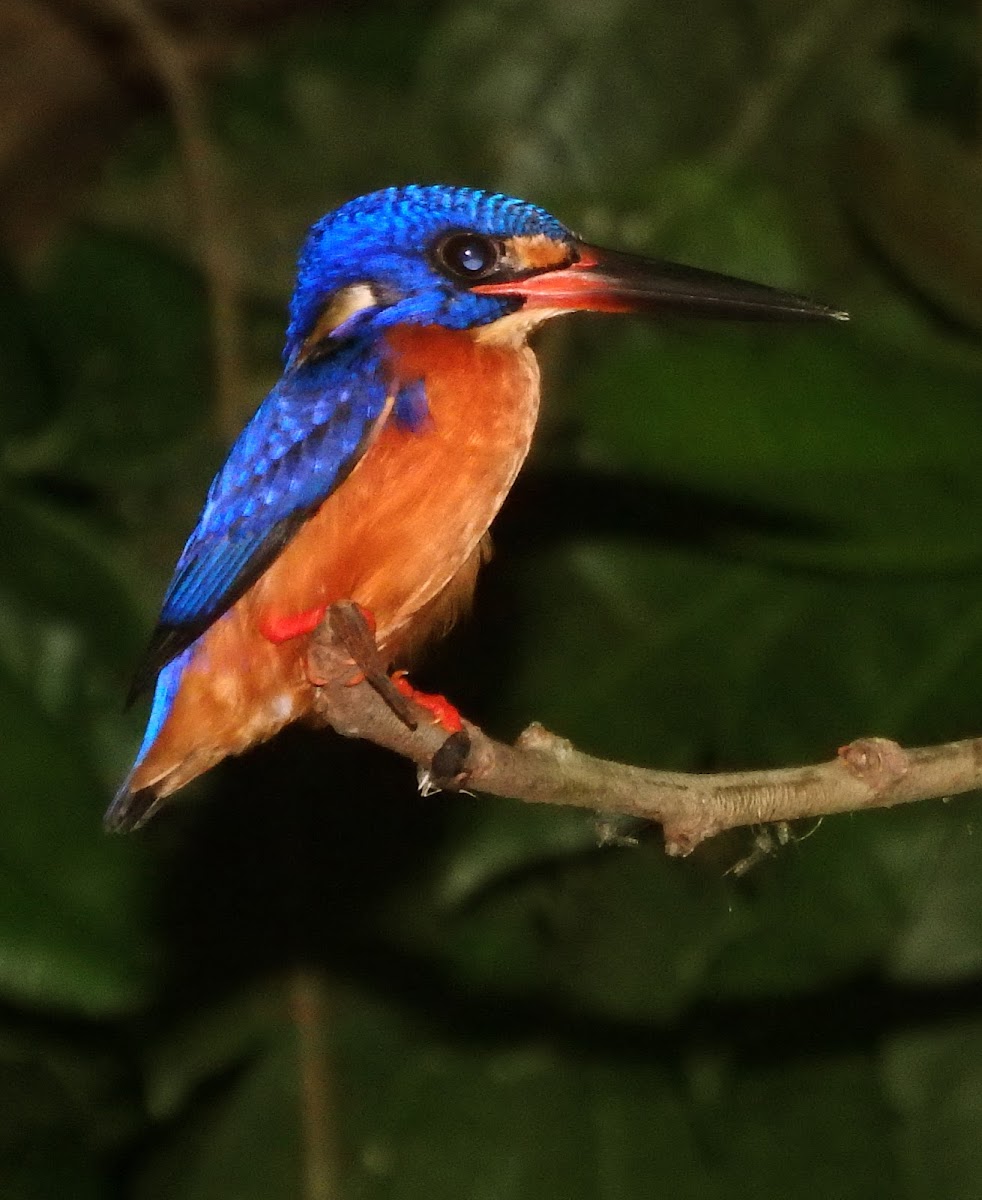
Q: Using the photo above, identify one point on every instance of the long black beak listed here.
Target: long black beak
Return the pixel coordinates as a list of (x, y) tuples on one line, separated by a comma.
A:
[(610, 281)]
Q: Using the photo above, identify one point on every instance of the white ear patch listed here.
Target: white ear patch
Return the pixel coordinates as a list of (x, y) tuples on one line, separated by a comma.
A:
[(346, 303)]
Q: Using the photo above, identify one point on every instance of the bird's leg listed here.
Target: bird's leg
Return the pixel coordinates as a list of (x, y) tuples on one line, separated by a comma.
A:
[(353, 628)]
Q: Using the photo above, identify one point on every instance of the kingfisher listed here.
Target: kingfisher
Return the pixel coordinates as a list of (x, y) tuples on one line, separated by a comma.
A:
[(373, 469)]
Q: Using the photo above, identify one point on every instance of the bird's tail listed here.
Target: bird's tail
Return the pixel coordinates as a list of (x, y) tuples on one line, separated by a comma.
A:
[(129, 810), (136, 801)]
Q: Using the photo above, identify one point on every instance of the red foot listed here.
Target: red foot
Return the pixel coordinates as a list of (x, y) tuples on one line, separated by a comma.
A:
[(443, 711), (281, 629)]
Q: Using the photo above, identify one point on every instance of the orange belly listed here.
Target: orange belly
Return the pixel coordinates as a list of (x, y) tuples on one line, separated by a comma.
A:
[(401, 536)]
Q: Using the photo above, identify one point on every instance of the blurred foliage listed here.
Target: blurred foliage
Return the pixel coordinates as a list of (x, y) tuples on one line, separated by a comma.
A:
[(732, 547)]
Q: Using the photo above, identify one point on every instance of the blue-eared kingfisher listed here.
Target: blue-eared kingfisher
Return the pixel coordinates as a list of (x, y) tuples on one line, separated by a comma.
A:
[(373, 469)]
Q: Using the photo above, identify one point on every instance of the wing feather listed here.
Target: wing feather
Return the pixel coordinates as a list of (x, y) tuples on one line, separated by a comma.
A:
[(302, 443)]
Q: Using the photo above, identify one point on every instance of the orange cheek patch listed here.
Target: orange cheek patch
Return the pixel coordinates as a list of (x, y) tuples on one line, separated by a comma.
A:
[(536, 252)]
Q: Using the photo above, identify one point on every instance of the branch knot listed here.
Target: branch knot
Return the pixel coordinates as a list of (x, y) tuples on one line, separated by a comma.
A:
[(877, 762)]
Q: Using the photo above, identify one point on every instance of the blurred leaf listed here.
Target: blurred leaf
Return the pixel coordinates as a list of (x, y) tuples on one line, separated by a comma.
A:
[(64, 1101), (131, 331), (25, 377), (493, 840), (817, 914), (808, 1129), (245, 1143), (685, 656), (431, 1113), (934, 1077), (43, 1149), (209, 1047), (57, 567), (560, 97), (915, 193), (943, 939), (879, 450), (72, 905), (938, 66), (373, 43), (879, 454), (701, 214), (256, 1128), (437, 1114), (589, 933)]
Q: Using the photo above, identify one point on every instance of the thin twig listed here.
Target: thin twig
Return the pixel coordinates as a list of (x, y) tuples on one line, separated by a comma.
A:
[(207, 211), (541, 768), (309, 1011)]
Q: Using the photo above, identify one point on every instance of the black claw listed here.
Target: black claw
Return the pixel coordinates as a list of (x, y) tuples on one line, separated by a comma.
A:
[(448, 768)]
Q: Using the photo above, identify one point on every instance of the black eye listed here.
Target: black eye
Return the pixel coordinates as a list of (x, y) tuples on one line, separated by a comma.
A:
[(468, 256)]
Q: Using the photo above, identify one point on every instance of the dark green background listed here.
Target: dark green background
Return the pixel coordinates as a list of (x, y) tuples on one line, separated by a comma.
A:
[(731, 548)]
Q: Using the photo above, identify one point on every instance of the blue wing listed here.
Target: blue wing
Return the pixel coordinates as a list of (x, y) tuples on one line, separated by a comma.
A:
[(302, 443)]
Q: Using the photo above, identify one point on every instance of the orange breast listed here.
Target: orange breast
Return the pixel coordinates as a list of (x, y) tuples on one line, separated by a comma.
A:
[(401, 536), (414, 510)]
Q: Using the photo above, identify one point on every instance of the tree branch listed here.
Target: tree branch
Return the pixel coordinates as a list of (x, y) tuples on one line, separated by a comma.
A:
[(541, 768)]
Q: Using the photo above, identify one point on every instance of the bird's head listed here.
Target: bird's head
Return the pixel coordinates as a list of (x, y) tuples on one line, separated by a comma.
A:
[(467, 259)]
